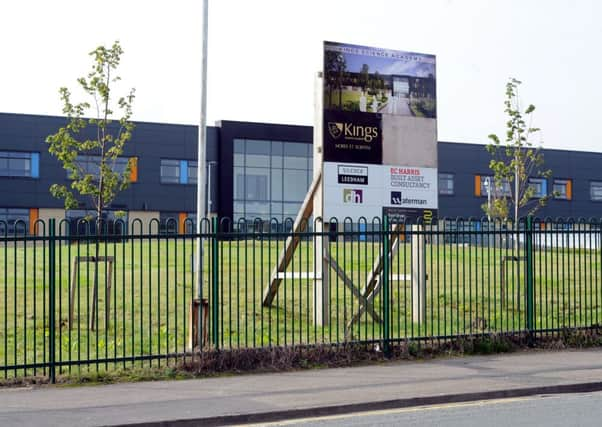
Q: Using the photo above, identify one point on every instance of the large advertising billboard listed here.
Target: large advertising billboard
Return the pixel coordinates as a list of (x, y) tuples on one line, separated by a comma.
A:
[(379, 132)]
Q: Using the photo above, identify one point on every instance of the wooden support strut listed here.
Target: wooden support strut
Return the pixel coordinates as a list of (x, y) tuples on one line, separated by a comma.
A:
[(373, 284), (291, 243), (356, 293), (279, 273)]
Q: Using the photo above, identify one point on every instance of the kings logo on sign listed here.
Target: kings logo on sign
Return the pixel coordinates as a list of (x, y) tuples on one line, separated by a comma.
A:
[(352, 137), (335, 129)]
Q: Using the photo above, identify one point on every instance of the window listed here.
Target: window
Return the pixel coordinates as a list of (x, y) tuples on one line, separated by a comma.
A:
[(487, 181), (539, 186), (168, 222), (295, 184), (19, 164), (192, 172), (256, 186), (82, 222), (446, 184), (177, 222), (170, 171), (271, 178), (178, 171), (14, 221), (190, 223), (90, 165), (595, 190), (562, 189)]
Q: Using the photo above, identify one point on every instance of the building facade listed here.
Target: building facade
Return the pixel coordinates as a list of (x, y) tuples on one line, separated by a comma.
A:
[(253, 170)]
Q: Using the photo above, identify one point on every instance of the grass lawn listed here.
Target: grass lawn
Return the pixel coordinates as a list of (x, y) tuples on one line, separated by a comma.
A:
[(350, 99), (153, 285)]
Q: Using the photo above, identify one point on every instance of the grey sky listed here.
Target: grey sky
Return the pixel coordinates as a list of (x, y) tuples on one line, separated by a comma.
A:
[(263, 56)]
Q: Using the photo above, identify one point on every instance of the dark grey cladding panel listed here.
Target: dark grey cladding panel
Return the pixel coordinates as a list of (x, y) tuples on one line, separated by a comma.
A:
[(467, 160), (150, 142)]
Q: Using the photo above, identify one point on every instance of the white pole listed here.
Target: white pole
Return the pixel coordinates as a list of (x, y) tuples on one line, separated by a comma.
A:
[(200, 192), (488, 185)]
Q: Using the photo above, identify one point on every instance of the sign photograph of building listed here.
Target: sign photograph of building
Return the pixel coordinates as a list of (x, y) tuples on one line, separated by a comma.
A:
[(373, 80), (379, 133)]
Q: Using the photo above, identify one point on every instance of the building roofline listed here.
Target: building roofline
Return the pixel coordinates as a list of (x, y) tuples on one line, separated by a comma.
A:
[(219, 123), (49, 116), (560, 150)]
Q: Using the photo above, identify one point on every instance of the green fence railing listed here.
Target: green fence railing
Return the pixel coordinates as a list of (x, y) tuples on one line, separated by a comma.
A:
[(76, 297)]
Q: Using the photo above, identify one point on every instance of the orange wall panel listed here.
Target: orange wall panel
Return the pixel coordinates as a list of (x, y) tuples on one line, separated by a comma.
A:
[(182, 222), (133, 169), (34, 214)]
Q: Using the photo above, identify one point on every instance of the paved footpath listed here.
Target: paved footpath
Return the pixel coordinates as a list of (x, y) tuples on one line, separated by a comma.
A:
[(270, 397)]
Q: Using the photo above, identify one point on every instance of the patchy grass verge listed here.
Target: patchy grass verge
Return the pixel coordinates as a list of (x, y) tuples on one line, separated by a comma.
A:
[(279, 359)]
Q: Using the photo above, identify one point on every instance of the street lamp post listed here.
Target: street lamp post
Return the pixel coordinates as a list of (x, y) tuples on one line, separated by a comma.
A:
[(201, 191)]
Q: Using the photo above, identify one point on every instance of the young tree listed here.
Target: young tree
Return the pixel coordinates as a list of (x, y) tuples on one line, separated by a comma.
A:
[(514, 161), (90, 134), (364, 76)]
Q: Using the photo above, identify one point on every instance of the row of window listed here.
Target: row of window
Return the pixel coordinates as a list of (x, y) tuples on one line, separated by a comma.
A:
[(269, 171), (562, 189), (27, 165), (485, 185), (172, 171)]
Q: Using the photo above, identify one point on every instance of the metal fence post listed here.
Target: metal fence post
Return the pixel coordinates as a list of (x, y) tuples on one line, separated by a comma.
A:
[(52, 300), (529, 273), (215, 282), (386, 294)]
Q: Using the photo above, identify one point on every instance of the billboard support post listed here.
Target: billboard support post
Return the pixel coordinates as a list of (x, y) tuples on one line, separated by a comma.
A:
[(418, 274), (321, 241), (321, 274)]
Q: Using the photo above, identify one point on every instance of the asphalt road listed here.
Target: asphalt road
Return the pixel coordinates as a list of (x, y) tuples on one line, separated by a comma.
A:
[(550, 411)]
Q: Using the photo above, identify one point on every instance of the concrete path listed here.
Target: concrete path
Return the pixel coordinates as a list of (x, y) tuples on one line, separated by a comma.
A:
[(397, 106), (268, 397)]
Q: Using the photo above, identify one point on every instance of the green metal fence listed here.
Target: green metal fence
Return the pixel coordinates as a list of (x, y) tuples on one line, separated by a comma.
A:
[(77, 297)]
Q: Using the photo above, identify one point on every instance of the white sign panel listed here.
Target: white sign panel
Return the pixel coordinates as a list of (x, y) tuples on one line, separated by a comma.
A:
[(411, 187), (365, 190)]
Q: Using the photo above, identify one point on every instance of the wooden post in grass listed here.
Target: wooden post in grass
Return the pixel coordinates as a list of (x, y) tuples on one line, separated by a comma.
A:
[(418, 274), (193, 326)]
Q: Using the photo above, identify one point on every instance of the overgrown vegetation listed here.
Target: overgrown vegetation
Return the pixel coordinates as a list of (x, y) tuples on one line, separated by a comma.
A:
[(280, 359)]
